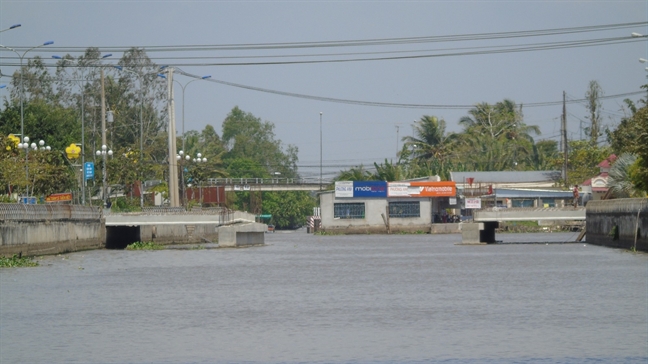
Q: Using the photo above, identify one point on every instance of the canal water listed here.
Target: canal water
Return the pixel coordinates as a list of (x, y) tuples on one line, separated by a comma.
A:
[(333, 299)]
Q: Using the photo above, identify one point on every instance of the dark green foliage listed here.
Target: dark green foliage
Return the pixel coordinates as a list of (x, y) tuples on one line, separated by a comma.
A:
[(289, 209), (148, 245)]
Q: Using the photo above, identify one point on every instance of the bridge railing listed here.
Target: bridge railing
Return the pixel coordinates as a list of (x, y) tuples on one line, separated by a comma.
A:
[(529, 213), (29, 212), (264, 181), (167, 210)]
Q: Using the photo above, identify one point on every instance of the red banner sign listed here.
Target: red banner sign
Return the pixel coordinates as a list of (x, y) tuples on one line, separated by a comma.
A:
[(59, 197)]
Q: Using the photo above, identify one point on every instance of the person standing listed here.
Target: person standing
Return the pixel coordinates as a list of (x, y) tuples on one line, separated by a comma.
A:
[(575, 196)]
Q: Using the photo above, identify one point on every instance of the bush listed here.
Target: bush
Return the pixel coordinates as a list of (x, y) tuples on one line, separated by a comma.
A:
[(17, 261), (148, 245)]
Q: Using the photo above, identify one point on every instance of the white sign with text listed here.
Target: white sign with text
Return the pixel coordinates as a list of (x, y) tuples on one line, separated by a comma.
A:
[(473, 203)]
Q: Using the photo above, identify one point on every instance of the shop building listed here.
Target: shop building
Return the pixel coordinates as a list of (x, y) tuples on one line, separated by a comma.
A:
[(378, 206)]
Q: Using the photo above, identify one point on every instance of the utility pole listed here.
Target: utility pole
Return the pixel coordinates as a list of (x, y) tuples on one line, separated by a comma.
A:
[(103, 136), (564, 138), (397, 141), (320, 150), (174, 201)]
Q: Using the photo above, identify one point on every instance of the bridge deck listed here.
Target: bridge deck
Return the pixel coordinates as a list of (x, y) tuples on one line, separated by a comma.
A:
[(529, 214)]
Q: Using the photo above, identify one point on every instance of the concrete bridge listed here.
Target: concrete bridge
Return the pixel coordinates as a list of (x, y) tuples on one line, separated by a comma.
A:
[(486, 221), (530, 214), (51, 229), (229, 228)]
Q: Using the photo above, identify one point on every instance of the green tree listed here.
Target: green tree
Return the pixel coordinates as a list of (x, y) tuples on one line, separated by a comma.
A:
[(37, 83), (358, 173), (495, 137), (620, 179), (430, 140), (246, 136), (136, 91), (57, 127), (289, 209), (583, 160), (593, 95), (504, 118), (639, 170), (246, 168), (388, 172), (623, 138), (545, 152)]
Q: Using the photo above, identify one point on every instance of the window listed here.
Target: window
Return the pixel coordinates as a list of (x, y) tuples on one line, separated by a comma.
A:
[(349, 210), (405, 209)]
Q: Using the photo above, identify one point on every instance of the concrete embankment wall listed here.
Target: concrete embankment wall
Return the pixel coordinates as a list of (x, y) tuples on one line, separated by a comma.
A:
[(620, 223), (49, 229)]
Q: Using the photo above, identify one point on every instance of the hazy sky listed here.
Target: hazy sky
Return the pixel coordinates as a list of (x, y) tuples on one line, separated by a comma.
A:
[(355, 133)]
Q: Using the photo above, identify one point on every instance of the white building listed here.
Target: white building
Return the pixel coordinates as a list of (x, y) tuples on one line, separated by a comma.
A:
[(378, 206)]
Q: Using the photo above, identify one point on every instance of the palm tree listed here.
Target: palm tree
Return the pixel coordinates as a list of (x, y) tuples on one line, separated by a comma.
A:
[(358, 173), (389, 172), (429, 140), (496, 138), (504, 119), (619, 177)]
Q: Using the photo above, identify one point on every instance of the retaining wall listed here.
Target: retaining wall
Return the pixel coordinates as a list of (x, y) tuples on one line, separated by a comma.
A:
[(620, 223), (394, 229), (49, 229)]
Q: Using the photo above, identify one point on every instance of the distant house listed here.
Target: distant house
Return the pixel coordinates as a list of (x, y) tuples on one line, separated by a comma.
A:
[(512, 188), (598, 186), (507, 179)]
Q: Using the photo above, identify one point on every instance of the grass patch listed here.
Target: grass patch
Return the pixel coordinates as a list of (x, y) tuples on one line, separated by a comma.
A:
[(17, 261), (523, 223), (321, 232), (407, 232), (144, 245)]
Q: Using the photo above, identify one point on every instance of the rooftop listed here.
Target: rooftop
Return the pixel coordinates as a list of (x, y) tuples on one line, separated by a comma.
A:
[(506, 176)]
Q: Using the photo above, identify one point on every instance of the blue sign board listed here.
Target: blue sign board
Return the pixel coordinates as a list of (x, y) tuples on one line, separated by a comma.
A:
[(369, 189), (28, 200), (88, 170)]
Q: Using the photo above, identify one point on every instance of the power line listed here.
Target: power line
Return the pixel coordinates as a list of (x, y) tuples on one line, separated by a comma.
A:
[(471, 51), (374, 42), (386, 104)]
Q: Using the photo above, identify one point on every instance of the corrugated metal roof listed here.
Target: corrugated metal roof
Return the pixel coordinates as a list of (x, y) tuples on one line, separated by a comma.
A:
[(506, 176), (512, 193)]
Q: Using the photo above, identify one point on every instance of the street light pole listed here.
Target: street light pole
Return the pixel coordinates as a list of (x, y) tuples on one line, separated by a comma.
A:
[(141, 158), (103, 136), (22, 96), (83, 77), (321, 150), (183, 87)]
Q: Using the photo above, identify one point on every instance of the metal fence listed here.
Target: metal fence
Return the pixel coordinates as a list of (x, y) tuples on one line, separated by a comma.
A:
[(262, 181), (28, 212)]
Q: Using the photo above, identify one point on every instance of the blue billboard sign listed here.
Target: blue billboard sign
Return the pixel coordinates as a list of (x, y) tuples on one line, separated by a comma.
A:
[(28, 200), (369, 189), (88, 170)]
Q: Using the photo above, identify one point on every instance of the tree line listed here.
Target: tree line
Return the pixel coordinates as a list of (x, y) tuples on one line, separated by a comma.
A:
[(496, 138)]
